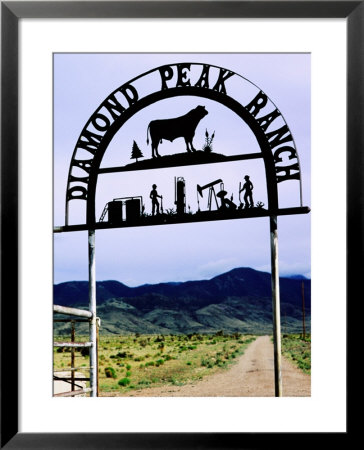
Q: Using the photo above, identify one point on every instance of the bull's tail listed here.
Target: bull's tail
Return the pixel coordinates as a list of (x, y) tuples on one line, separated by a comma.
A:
[(147, 134)]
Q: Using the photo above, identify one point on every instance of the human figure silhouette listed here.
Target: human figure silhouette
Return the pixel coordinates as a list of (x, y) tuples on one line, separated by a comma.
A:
[(248, 196), (154, 196)]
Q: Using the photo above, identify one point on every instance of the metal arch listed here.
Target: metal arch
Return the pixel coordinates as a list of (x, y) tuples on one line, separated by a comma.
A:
[(224, 99), (204, 92)]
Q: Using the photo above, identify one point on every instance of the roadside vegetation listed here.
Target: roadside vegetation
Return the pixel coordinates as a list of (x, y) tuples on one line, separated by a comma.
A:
[(139, 361), (298, 350)]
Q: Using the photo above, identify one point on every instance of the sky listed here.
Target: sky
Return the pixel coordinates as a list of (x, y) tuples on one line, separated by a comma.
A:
[(180, 252)]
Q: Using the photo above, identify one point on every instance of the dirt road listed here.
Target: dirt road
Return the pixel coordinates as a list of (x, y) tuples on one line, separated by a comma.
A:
[(252, 376)]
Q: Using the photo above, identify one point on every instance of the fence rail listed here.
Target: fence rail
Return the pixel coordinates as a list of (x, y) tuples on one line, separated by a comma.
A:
[(72, 311), (73, 393), (72, 344)]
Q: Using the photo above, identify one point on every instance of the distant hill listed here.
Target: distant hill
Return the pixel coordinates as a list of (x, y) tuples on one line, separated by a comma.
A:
[(239, 300)]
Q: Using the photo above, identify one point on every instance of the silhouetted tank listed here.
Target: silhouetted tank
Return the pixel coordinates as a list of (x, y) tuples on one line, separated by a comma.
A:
[(180, 195), (132, 210), (115, 212)]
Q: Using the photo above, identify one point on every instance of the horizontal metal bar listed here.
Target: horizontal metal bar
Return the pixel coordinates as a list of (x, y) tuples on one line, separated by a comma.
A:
[(71, 379), (72, 369), (203, 216), (71, 311), (72, 344), (72, 393), (71, 320), (290, 211)]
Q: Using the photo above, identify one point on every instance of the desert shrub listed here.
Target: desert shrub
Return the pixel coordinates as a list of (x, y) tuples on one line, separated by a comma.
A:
[(128, 366), (110, 372), (175, 382), (159, 362), (128, 373), (206, 362), (236, 335), (124, 381)]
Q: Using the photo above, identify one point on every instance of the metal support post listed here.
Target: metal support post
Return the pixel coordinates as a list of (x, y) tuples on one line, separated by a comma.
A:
[(92, 308), (73, 356), (97, 353), (276, 307)]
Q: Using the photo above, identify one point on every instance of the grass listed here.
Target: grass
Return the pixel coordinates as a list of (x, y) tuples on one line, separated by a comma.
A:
[(298, 350), (140, 361)]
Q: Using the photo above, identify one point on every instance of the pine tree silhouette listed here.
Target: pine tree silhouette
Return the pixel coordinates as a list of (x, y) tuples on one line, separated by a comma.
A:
[(136, 152)]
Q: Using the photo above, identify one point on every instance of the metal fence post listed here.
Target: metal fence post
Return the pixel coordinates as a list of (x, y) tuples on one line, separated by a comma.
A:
[(73, 356), (92, 308), (276, 307)]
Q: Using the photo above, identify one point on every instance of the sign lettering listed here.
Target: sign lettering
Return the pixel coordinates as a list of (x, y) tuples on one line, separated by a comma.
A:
[(271, 123)]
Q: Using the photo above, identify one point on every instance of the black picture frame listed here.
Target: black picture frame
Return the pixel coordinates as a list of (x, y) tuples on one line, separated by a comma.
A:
[(11, 13)]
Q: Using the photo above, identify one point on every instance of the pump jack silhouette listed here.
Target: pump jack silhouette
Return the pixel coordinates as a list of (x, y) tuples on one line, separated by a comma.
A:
[(225, 202), (211, 188)]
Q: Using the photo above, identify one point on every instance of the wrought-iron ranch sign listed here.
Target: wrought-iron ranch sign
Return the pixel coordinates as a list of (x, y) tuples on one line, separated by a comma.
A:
[(276, 145)]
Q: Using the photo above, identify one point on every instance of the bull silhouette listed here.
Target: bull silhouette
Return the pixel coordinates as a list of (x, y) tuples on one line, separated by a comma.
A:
[(171, 129)]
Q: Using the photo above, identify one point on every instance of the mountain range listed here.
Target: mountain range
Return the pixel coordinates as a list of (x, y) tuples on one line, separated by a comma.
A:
[(236, 301)]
